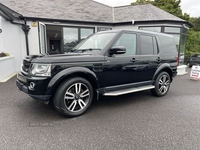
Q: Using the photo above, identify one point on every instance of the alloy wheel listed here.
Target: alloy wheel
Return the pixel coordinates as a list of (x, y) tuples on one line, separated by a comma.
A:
[(76, 97), (164, 82)]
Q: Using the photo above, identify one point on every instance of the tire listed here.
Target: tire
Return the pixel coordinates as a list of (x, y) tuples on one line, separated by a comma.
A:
[(190, 66), (162, 84), (73, 97)]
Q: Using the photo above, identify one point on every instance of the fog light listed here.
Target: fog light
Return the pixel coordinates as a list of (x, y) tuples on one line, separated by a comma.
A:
[(31, 86)]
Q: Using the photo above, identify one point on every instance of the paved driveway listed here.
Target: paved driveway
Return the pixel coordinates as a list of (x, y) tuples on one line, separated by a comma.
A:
[(136, 121)]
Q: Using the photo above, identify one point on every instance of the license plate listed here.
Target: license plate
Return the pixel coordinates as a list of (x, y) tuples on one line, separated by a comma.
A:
[(21, 78)]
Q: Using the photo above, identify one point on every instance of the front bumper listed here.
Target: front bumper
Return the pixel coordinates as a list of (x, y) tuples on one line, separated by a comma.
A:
[(25, 84)]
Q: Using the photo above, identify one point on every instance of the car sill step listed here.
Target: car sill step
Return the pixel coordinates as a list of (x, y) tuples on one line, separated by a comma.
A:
[(131, 90)]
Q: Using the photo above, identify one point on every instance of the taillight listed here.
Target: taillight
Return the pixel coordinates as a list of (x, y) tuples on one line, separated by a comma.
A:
[(176, 60)]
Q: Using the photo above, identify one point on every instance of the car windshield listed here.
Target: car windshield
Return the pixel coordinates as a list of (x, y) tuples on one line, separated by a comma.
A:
[(96, 42)]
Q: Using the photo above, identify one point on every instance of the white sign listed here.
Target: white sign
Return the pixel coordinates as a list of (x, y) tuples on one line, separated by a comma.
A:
[(195, 72)]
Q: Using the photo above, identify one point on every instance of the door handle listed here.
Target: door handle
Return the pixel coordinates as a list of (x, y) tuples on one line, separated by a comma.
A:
[(158, 59), (132, 60)]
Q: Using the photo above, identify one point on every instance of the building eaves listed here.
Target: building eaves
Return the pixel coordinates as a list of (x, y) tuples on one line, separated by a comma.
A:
[(8, 13)]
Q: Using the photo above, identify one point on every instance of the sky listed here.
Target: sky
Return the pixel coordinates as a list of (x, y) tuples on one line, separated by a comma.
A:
[(191, 7)]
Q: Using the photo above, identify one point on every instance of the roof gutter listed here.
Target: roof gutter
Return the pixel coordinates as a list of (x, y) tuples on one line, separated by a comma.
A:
[(155, 21), (12, 16)]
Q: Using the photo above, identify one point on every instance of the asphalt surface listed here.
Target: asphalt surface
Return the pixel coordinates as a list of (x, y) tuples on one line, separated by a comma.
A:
[(137, 121)]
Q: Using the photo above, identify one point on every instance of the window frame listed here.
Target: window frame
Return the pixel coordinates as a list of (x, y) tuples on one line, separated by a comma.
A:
[(152, 37), (79, 32), (137, 42)]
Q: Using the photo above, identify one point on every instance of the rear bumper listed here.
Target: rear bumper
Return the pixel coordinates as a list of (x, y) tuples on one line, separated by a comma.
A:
[(174, 74)]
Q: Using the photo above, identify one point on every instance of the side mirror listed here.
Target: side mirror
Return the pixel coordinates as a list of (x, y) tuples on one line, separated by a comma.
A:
[(117, 50)]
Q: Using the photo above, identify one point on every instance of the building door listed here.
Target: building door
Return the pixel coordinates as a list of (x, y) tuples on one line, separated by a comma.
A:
[(54, 47), (42, 38)]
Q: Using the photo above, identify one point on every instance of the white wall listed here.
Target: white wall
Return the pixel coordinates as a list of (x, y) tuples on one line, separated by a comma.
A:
[(33, 39), (1, 37), (13, 41), (7, 67)]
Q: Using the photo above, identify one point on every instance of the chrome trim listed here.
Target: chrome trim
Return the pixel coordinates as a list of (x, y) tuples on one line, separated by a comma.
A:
[(131, 90)]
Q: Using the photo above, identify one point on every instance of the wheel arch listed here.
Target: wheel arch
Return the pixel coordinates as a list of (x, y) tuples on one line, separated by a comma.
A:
[(166, 68), (66, 74)]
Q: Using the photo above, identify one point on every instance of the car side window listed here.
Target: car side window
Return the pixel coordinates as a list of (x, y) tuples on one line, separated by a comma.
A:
[(155, 46), (128, 40), (147, 45)]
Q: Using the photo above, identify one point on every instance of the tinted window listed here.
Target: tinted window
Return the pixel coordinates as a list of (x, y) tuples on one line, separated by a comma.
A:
[(168, 44), (146, 45), (127, 40)]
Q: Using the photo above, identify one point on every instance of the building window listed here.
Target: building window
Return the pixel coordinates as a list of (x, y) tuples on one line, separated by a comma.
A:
[(172, 30), (73, 35), (70, 38), (176, 40), (85, 32), (182, 49), (103, 29), (154, 29)]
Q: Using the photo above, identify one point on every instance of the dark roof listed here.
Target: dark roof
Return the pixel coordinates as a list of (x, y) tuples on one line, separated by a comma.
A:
[(142, 12), (87, 10)]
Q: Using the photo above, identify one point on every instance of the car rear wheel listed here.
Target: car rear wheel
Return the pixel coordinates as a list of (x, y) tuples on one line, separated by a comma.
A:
[(189, 65), (73, 97), (162, 84)]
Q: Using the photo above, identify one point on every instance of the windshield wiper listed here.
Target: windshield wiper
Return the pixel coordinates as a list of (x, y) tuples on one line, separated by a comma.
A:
[(86, 49)]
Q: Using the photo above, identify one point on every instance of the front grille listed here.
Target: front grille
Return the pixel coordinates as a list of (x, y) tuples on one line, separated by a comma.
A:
[(25, 66)]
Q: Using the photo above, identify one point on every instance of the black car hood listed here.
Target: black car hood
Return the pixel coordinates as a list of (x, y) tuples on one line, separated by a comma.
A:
[(65, 58)]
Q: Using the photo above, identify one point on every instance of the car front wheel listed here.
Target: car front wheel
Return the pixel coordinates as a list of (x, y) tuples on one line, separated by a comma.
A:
[(73, 97), (162, 84)]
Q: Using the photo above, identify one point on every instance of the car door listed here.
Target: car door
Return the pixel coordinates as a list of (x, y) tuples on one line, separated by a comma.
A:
[(121, 70), (149, 58)]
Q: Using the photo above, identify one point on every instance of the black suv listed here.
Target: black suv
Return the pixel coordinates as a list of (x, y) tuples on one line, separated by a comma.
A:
[(109, 63)]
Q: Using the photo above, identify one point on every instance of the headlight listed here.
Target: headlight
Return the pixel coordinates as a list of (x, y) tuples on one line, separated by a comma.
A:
[(41, 70)]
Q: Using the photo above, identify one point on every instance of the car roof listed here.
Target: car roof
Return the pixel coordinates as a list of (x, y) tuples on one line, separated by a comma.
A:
[(137, 31)]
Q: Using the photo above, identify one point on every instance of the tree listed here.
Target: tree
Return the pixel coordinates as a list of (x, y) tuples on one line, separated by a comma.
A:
[(196, 23), (193, 44), (142, 2)]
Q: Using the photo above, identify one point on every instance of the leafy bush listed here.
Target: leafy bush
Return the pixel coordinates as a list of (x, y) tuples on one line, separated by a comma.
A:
[(2, 54)]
